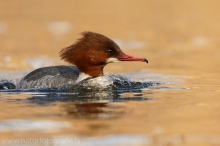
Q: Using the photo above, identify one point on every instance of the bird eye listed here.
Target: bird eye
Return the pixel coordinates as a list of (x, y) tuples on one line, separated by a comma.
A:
[(110, 51)]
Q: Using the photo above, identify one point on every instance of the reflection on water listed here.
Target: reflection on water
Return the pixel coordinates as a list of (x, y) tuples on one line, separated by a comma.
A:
[(101, 104), (162, 114)]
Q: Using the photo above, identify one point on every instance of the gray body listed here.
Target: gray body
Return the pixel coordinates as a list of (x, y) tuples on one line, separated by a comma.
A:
[(48, 77)]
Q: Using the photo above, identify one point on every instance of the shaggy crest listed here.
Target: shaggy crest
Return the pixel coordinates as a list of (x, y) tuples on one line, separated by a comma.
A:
[(90, 40)]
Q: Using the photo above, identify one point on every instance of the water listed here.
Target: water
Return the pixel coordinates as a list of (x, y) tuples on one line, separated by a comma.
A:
[(174, 111)]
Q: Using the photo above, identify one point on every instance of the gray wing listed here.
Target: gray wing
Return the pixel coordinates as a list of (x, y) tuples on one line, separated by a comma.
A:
[(48, 77)]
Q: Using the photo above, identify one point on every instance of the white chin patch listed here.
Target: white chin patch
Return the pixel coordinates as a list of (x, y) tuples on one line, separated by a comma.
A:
[(111, 60), (82, 76)]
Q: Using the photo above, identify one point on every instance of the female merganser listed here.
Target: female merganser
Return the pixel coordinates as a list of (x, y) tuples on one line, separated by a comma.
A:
[(89, 54)]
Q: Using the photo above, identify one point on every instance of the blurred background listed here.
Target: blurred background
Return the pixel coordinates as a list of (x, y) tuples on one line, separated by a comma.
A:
[(176, 36)]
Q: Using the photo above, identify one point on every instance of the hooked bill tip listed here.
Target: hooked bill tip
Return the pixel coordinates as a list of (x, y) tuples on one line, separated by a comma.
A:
[(145, 60)]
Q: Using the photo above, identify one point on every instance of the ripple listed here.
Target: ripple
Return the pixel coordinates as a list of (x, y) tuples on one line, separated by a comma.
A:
[(30, 125)]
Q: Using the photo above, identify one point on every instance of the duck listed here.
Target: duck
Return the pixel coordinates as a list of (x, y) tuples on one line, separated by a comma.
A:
[(88, 56)]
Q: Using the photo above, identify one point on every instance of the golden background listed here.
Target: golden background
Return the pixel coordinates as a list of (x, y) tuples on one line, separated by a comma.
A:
[(177, 37)]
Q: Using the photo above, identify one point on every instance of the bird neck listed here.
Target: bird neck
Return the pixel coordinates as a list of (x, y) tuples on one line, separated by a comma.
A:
[(90, 71)]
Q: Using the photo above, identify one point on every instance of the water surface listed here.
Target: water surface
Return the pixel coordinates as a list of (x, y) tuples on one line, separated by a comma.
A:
[(179, 110)]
